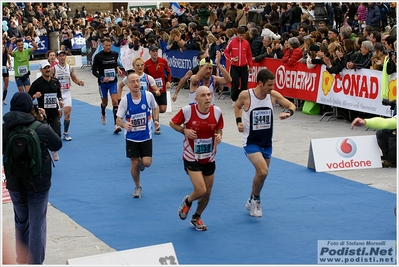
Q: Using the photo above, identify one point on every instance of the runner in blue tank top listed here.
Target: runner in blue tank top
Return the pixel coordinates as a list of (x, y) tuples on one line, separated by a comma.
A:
[(139, 109)]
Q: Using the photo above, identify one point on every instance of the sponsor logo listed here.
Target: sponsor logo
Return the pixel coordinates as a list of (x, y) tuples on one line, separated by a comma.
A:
[(346, 148)]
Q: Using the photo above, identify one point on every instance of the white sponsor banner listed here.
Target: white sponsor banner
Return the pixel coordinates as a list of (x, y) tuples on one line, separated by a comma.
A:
[(357, 252), (74, 61), (358, 90), (163, 254), (344, 153)]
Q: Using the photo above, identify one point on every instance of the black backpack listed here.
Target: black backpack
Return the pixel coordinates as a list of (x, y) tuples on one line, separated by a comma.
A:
[(23, 154)]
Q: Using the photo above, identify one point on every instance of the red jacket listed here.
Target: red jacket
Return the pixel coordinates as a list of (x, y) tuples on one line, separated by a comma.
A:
[(240, 49), (292, 56)]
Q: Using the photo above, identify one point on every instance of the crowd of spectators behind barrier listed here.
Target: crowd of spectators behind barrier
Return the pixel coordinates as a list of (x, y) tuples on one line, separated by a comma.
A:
[(353, 35)]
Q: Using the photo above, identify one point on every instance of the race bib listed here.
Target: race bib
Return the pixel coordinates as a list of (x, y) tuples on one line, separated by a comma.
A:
[(159, 83), (138, 121), (143, 86), (22, 70), (110, 73), (50, 100), (203, 148), (64, 82), (261, 119)]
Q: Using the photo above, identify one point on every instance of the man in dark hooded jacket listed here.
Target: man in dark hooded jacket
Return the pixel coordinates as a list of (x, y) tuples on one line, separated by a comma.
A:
[(29, 195)]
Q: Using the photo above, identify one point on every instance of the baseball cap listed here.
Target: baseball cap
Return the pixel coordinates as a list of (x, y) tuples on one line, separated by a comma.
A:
[(205, 60), (44, 63), (153, 47), (60, 52)]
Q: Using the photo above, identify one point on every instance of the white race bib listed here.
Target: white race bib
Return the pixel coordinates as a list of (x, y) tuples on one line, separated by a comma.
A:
[(64, 82), (138, 121), (22, 70), (110, 73), (50, 100), (261, 119), (159, 83)]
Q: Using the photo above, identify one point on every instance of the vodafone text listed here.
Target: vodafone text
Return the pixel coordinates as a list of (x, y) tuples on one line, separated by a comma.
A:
[(349, 164)]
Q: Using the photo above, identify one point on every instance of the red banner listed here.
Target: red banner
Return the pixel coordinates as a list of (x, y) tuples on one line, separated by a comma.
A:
[(294, 82)]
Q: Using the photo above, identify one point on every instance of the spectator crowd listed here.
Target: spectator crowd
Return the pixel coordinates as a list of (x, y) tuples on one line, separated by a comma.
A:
[(352, 36), (210, 26)]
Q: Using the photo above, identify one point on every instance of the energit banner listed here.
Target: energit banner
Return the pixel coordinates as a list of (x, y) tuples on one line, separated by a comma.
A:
[(294, 82)]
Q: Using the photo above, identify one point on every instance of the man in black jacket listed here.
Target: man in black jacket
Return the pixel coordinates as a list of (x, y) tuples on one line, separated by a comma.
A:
[(29, 195)]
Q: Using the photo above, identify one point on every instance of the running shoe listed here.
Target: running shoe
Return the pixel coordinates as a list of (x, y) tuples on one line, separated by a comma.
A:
[(137, 192), (117, 129), (55, 155), (103, 119), (4, 102), (66, 137), (248, 204), (256, 209), (183, 209), (158, 131), (198, 224)]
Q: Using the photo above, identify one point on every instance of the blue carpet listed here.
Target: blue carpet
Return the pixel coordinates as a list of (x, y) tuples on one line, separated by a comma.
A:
[(93, 186)]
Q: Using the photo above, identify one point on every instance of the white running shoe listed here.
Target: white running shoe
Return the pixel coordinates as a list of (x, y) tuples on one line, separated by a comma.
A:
[(55, 155), (233, 103), (117, 129), (66, 137), (103, 119), (256, 209), (248, 204), (4, 102), (137, 192)]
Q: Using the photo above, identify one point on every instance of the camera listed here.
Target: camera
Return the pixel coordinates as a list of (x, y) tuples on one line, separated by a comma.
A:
[(392, 53), (387, 102)]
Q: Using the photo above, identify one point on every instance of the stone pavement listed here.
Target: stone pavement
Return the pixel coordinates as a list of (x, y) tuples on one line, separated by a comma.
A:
[(66, 239)]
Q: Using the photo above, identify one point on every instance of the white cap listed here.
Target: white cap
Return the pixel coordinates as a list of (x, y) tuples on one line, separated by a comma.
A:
[(44, 64)]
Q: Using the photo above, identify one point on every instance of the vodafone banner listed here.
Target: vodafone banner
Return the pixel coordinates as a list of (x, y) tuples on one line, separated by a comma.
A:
[(344, 153)]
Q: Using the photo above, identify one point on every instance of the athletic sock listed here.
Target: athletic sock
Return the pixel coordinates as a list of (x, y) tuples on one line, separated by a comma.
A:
[(188, 203), (66, 125), (102, 109), (256, 197), (196, 215), (115, 110)]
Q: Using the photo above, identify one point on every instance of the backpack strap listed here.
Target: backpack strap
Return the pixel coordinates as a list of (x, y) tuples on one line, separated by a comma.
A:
[(34, 125)]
